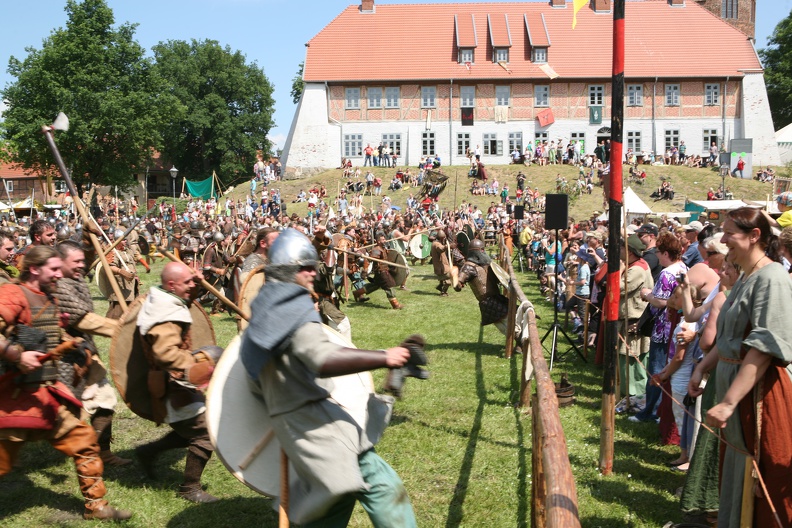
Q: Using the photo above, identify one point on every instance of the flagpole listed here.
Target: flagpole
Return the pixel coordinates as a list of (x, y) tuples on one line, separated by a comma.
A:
[(615, 202)]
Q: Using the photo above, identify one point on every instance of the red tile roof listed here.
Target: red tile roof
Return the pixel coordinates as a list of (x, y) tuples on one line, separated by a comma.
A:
[(465, 31), (14, 172), (499, 30), (537, 29), (419, 43)]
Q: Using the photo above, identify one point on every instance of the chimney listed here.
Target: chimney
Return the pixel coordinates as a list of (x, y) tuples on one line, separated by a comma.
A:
[(601, 6), (676, 3), (366, 6), (557, 3)]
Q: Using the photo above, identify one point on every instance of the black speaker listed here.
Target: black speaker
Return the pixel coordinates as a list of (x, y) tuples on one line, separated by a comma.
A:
[(519, 212), (556, 211)]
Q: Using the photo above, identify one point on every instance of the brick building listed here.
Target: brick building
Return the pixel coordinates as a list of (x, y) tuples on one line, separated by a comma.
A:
[(436, 79)]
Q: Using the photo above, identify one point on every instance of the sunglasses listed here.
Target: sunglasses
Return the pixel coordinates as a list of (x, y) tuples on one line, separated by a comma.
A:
[(710, 253)]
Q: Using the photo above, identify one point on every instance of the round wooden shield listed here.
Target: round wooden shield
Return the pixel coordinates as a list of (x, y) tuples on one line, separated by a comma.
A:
[(239, 425), (469, 232), (398, 245), (500, 273), (250, 288), (128, 364), (463, 242), (420, 246), (102, 282), (144, 246), (399, 274)]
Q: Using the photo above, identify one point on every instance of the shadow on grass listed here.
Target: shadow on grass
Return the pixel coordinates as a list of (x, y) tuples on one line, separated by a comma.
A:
[(523, 495), (487, 349), (18, 493), (455, 507), (606, 490), (239, 511)]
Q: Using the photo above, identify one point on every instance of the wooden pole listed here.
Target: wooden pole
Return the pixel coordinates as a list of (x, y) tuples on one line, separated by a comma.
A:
[(84, 215), (538, 489), (214, 291), (283, 506), (615, 203), (372, 258)]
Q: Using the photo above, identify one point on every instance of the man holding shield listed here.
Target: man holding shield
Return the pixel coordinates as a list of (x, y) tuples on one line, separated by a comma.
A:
[(289, 360)]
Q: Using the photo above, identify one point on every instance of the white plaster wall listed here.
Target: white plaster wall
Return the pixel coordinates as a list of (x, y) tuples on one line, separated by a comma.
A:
[(758, 123), (313, 141)]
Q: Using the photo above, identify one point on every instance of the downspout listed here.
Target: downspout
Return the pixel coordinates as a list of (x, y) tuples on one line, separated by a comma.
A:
[(723, 109), (450, 121), (654, 118)]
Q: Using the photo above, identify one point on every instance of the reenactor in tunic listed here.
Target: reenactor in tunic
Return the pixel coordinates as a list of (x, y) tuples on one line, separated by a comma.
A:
[(382, 278), (122, 264), (440, 263), (484, 284)]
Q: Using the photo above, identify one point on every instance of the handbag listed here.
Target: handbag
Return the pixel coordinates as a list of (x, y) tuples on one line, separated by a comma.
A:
[(645, 323)]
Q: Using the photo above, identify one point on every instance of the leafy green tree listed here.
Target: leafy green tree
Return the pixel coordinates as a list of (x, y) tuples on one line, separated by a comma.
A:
[(97, 75), (777, 61), (298, 85), (228, 106)]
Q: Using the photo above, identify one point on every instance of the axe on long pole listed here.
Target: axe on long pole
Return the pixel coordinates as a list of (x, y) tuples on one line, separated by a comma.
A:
[(62, 123)]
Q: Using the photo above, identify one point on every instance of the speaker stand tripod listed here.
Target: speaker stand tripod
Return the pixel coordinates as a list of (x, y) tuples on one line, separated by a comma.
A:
[(556, 327)]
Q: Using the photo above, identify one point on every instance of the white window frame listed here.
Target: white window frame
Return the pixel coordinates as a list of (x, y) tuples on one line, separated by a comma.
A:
[(499, 97), (490, 140), (428, 96), (712, 94), (392, 97), (463, 143), (542, 95), (393, 141), (467, 99), (539, 55), (634, 141), (428, 143), (515, 139), (352, 99), (353, 145), (9, 185), (500, 54), (466, 55), (374, 97), (635, 95), (708, 135), (596, 95), (540, 137), (672, 95), (671, 138)]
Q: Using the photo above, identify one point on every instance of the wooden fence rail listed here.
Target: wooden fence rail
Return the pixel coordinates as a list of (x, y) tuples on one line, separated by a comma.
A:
[(553, 493)]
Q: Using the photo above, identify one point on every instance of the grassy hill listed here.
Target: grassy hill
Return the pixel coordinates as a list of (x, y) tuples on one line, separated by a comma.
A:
[(688, 183)]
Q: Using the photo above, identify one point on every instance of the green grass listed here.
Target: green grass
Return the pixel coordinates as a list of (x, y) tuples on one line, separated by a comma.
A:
[(457, 440), (688, 183)]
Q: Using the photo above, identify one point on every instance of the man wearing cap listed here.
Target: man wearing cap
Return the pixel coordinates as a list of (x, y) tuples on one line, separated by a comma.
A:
[(594, 243), (692, 256), (647, 234)]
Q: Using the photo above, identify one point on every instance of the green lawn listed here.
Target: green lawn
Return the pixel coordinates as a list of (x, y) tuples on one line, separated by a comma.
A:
[(457, 440)]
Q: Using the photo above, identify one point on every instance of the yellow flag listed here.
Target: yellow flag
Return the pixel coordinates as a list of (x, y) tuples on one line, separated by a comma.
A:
[(577, 5)]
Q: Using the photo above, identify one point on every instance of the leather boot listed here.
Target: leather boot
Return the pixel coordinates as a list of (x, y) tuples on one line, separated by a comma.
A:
[(111, 459), (395, 304), (105, 512), (191, 490), (360, 295), (196, 494)]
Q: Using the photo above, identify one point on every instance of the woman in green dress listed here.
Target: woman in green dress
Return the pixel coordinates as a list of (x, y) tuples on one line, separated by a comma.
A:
[(754, 385)]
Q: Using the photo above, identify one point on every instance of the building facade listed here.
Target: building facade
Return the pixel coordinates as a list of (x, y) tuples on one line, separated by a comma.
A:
[(439, 79)]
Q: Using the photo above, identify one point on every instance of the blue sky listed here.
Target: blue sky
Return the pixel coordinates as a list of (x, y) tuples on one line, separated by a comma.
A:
[(270, 32)]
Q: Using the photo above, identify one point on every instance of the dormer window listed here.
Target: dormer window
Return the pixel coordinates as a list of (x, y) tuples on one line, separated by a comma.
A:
[(501, 55), (539, 55), (466, 55)]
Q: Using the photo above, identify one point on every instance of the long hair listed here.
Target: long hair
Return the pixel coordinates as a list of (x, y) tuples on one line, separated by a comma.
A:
[(36, 257), (746, 219)]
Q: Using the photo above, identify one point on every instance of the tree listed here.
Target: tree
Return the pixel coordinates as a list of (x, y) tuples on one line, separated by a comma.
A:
[(99, 78), (298, 85), (777, 61), (228, 106)]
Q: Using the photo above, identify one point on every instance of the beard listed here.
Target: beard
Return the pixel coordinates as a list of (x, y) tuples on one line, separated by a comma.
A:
[(49, 288)]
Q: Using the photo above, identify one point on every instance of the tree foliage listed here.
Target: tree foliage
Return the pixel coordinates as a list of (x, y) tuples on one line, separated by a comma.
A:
[(98, 76), (777, 61), (228, 109), (298, 85)]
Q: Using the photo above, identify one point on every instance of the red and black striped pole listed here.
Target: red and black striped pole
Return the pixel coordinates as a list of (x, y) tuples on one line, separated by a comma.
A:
[(615, 204)]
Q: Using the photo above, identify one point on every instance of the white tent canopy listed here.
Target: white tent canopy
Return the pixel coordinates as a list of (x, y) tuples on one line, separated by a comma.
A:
[(722, 205), (633, 205)]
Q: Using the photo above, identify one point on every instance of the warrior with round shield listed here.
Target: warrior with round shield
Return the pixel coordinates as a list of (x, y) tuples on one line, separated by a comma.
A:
[(381, 278), (288, 359), (476, 272)]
